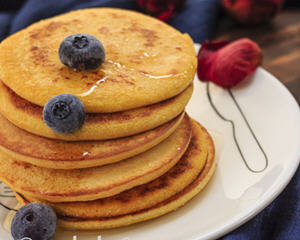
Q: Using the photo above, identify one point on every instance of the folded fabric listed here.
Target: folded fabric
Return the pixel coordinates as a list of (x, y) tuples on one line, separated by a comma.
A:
[(198, 17)]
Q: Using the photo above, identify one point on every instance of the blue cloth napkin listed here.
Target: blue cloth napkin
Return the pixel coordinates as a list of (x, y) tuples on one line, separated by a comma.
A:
[(197, 17), (281, 219)]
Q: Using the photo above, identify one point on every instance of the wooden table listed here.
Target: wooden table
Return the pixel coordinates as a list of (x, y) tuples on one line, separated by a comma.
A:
[(280, 43)]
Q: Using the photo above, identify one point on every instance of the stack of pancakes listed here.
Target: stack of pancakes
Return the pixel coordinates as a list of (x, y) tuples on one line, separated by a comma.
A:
[(138, 154)]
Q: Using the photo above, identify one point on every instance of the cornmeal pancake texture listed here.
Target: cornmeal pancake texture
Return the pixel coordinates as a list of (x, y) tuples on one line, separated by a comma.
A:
[(97, 126), (149, 194), (24, 146), (147, 201), (58, 185), (147, 61)]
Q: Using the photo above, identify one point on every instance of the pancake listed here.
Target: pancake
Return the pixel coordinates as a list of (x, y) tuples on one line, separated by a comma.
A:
[(58, 185), (200, 150), (84, 222), (99, 126), (147, 61), (24, 146)]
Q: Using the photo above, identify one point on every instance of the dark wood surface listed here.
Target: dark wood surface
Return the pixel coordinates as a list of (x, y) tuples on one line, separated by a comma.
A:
[(280, 43)]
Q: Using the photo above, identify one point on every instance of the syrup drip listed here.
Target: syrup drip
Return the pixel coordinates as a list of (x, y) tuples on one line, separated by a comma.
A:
[(85, 154), (92, 89), (119, 65)]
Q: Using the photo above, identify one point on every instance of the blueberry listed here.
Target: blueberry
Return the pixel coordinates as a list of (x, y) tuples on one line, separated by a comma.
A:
[(81, 51), (64, 113), (35, 221)]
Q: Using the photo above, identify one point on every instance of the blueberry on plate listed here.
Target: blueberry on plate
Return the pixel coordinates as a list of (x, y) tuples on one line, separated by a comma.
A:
[(34, 221), (64, 113), (81, 51)]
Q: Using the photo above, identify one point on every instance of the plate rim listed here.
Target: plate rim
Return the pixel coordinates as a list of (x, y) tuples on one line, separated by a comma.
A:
[(264, 202)]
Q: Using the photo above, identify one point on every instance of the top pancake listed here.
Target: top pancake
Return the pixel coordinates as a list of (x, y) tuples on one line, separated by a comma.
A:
[(147, 61)]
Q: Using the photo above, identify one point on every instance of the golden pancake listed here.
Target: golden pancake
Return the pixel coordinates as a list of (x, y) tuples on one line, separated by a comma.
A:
[(171, 203), (200, 150), (58, 185), (147, 61), (99, 126), (44, 152)]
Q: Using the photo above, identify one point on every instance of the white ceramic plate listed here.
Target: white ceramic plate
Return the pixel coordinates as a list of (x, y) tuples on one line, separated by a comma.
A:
[(235, 194)]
